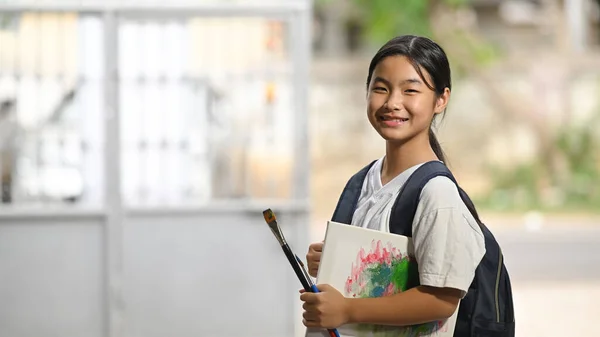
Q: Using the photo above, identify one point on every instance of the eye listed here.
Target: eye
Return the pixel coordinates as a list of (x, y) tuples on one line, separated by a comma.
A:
[(411, 91), (380, 89)]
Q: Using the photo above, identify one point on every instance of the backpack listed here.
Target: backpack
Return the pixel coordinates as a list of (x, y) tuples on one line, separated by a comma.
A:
[(487, 308)]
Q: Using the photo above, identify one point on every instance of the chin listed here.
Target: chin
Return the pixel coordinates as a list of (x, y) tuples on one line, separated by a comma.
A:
[(393, 136)]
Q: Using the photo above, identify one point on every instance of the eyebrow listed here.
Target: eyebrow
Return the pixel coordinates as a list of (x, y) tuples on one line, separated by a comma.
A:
[(388, 83)]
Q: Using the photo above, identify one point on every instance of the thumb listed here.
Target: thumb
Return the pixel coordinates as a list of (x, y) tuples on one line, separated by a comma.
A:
[(324, 287)]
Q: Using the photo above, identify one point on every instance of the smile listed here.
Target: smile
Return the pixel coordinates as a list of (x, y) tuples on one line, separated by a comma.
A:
[(390, 118), (392, 121)]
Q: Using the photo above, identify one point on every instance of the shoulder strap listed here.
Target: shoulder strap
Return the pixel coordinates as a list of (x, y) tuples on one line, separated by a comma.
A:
[(349, 199), (405, 206)]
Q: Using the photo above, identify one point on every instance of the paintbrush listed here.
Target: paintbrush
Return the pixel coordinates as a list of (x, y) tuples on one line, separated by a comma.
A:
[(293, 259)]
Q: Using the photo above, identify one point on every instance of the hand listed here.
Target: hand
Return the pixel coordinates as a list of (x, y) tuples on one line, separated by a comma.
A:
[(313, 258), (328, 309)]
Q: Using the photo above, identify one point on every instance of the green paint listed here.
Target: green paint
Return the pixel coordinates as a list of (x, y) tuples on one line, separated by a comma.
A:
[(403, 274)]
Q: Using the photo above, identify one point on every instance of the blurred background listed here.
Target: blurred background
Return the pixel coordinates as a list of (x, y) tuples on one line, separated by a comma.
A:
[(140, 142)]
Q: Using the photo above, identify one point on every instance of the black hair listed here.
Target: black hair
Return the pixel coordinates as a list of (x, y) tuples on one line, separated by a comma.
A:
[(423, 53)]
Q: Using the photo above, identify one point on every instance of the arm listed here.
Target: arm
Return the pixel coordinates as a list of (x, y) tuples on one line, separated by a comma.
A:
[(415, 306)]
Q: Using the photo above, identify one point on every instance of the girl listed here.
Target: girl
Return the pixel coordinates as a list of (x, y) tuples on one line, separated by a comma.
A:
[(408, 87)]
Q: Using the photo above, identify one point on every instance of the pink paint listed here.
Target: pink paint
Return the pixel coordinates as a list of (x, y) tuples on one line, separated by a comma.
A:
[(390, 290), (377, 254)]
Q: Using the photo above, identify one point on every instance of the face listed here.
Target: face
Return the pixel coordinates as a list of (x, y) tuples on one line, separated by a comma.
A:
[(400, 105)]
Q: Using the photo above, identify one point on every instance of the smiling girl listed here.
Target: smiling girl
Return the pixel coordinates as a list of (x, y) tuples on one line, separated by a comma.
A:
[(408, 87)]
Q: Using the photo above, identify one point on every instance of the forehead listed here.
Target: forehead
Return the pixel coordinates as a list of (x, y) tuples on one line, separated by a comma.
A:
[(398, 68)]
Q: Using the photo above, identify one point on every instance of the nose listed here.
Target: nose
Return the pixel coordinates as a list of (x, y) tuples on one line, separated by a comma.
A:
[(394, 102)]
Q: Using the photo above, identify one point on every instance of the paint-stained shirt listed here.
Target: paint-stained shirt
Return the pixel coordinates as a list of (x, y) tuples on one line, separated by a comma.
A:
[(448, 242)]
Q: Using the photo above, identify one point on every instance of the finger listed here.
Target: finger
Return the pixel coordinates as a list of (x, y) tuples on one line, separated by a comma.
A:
[(311, 324), (313, 266), (313, 271), (317, 247), (313, 254), (305, 306), (309, 297), (314, 263), (315, 244), (310, 316), (302, 291), (310, 307)]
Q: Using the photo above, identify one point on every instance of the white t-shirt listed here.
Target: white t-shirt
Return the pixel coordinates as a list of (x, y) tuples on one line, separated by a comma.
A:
[(447, 240)]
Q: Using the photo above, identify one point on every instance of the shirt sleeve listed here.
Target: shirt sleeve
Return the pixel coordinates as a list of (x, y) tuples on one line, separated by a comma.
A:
[(447, 240)]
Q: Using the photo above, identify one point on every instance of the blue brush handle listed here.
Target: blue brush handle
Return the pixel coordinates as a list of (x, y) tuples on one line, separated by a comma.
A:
[(331, 331), (335, 332)]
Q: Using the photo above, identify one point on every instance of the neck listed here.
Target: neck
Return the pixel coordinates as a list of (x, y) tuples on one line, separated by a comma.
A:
[(401, 156)]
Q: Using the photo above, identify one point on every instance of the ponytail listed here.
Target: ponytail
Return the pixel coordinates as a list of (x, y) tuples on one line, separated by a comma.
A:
[(435, 145), (437, 149)]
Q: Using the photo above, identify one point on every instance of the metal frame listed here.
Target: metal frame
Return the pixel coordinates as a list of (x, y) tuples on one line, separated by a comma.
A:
[(277, 8), (297, 13), (114, 207), (301, 52)]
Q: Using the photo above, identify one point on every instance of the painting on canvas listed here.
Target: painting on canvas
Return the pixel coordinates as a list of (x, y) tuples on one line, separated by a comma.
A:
[(361, 262)]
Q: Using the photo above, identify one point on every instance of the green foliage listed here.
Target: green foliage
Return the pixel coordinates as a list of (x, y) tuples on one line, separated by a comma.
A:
[(7, 21), (322, 2), (4, 21), (386, 18), (578, 187), (513, 189), (483, 52), (578, 146)]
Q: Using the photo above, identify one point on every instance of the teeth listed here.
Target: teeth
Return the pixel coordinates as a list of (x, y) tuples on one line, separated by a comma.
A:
[(394, 119)]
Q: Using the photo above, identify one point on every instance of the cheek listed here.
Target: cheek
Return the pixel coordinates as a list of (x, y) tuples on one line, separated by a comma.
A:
[(414, 106), (373, 105), (419, 109)]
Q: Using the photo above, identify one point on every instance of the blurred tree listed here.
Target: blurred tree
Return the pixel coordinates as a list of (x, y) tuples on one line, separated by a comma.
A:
[(385, 18)]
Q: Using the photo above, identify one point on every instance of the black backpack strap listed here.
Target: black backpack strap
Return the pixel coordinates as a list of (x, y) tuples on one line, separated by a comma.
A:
[(349, 199), (405, 206)]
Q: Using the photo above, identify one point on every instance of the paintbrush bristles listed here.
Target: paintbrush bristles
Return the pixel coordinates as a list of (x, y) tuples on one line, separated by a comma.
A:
[(272, 222), (269, 216)]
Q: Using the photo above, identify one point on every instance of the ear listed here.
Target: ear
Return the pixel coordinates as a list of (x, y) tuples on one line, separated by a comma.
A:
[(442, 101)]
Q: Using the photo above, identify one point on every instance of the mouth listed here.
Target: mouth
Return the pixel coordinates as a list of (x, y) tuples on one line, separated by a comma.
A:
[(392, 120)]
